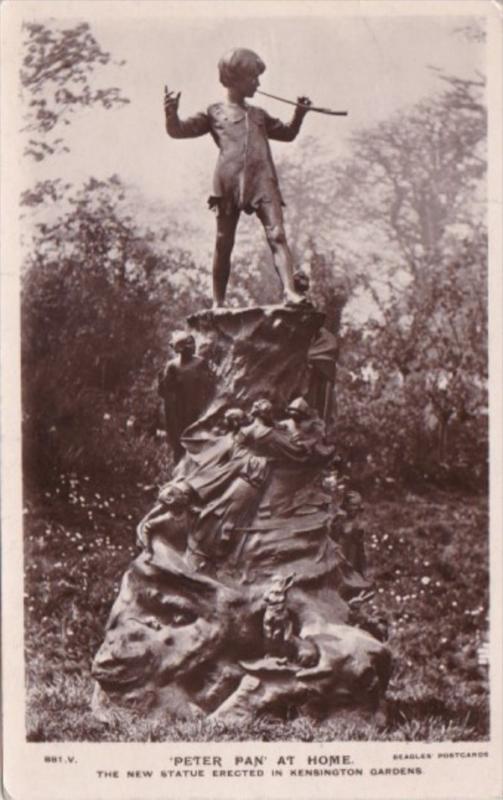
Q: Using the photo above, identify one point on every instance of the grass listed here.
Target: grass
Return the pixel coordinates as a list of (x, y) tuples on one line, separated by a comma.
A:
[(428, 557)]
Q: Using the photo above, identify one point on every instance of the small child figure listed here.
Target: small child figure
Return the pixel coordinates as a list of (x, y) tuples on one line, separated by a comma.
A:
[(277, 623), (172, 514), (306, 429), (185, 385), (280, 641), (352, 534), (245, 178)]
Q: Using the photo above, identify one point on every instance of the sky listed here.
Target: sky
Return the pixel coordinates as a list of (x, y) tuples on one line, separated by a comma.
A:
[(369, 66)]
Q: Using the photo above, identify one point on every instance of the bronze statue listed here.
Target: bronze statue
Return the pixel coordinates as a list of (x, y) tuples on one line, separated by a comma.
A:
[(233, 485), (306, 429), (176, 641), (172, 516), (238, 604), (303, 421), (184, 385), (277, 623), (245, 178), (230, 480), (349, 531), (322, 359)]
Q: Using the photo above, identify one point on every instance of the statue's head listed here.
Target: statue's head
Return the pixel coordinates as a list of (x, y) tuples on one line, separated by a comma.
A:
[(234, 419), (238, 65), (262, 409), (299, 410), (352, 502), (279, 586), (183, 343), (175, 495)]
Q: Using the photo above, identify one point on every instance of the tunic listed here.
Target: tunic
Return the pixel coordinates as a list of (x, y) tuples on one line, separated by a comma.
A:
[(245, 176), (185, 389)]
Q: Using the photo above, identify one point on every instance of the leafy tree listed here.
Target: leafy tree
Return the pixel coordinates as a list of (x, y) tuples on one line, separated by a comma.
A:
[(412, 390), (98, 298), (415, 176), (56, 78)]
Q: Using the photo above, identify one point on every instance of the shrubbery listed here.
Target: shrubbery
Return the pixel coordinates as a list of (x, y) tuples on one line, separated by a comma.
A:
[(100, 296)]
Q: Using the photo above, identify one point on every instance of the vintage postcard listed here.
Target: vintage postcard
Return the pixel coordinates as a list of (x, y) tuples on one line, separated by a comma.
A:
[(251, 399)]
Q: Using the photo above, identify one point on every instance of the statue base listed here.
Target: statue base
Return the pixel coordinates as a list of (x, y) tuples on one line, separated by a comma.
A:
[(237, 604)]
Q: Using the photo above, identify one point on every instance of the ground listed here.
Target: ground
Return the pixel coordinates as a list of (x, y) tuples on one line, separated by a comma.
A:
[(428, 557)]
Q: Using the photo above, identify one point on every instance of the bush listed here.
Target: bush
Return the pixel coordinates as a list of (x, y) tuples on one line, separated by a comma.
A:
[(95, 323)]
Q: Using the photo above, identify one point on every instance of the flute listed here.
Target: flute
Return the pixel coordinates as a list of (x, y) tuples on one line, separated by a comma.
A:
[(311, 108)]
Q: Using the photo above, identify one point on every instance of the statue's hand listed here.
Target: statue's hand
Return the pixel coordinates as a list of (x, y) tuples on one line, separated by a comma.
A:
[(304, 104), (171, 101)]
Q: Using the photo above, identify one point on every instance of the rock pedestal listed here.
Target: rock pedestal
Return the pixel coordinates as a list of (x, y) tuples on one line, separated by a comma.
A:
[(260, 352), (237, 604)]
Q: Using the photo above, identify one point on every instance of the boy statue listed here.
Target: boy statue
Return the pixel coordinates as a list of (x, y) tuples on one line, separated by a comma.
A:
[(185, 385), (245, 178)]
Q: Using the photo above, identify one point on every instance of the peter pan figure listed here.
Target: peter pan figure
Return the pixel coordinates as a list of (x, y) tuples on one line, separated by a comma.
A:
[(245, 178)]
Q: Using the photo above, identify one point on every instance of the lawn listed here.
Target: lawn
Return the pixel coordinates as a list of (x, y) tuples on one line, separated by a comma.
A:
[(428, 557)]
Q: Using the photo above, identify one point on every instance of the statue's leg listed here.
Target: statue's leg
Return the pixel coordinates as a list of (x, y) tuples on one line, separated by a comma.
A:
[(226, 231), (173, 431), (271, 217)]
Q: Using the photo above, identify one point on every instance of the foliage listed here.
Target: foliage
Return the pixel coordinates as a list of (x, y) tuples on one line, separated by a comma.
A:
[(415, 176), (428, 558), (100, 296), (101, 291), (412, 380), (412, 393), (56, 77)]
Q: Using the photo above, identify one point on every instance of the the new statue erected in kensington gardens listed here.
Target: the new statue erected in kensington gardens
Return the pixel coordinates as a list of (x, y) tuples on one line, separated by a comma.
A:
[(247, 597)]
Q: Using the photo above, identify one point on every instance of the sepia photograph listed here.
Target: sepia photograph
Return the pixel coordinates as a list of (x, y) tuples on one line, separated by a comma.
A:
[(254, 369)]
